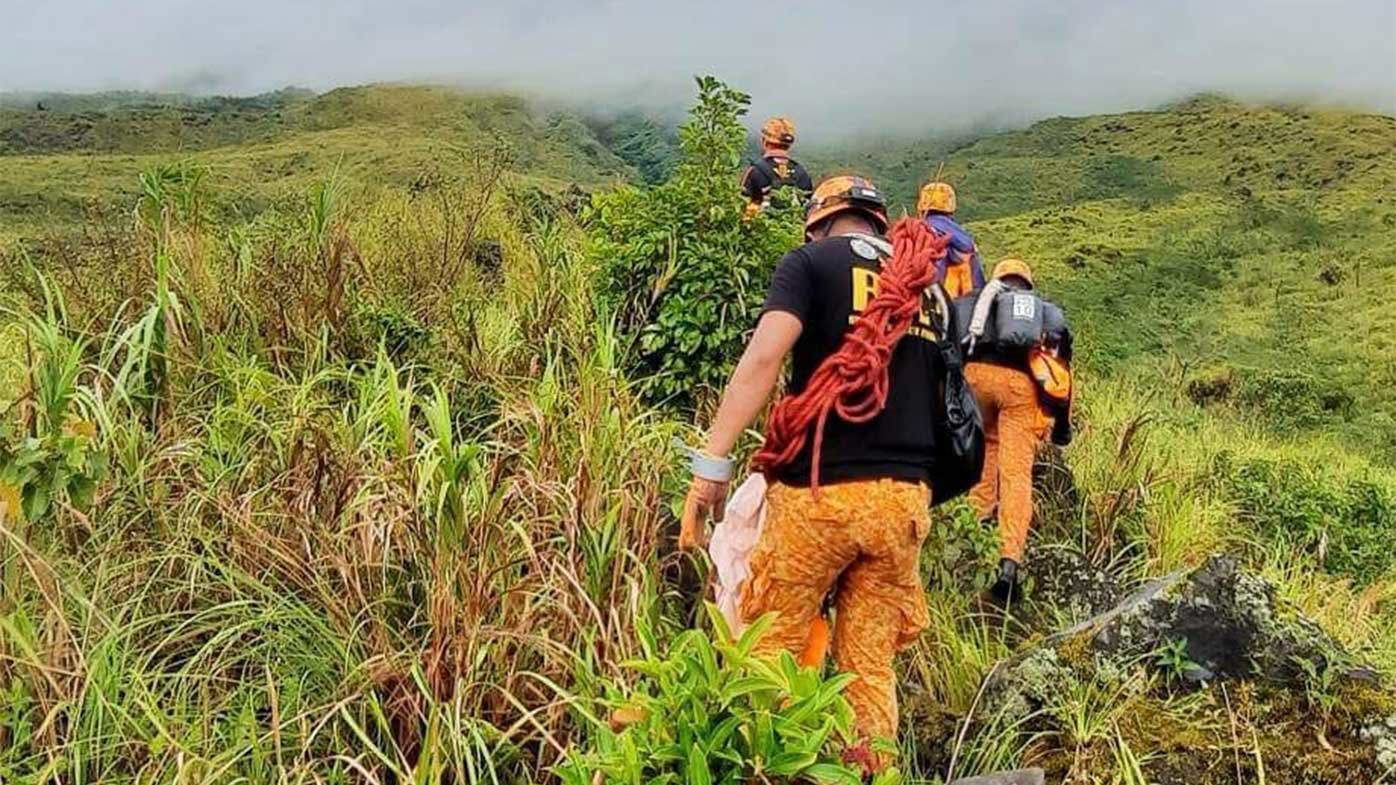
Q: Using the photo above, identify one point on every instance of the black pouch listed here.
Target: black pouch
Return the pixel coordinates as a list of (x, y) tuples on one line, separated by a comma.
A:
[(959, 427)]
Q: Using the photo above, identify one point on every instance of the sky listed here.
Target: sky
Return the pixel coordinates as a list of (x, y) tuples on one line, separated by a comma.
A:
[(837, 67)]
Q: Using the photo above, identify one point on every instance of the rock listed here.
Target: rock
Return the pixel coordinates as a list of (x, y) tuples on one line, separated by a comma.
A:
[(1382, 736), (1025, 684), (1020, 777), (1063, 579), (1228, 618)]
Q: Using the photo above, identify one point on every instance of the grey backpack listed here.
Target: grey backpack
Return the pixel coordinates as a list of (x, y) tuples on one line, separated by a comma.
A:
[(1018, 320)]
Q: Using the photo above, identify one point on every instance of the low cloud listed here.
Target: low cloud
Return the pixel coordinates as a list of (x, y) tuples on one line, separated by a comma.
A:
[(894, 66)]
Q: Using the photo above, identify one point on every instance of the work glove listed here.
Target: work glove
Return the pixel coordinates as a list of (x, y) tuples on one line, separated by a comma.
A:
[(707, 499), (707, 496)]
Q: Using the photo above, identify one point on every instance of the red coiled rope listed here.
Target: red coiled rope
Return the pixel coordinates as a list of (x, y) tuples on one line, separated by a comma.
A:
[(853, 381)]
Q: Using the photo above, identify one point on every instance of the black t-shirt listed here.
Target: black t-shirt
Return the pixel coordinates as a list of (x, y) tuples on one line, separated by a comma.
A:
[(774, 172), (825, 284)]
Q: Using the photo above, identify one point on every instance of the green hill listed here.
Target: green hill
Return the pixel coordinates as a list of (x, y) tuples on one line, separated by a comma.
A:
[(77, 152), (1248, 246)]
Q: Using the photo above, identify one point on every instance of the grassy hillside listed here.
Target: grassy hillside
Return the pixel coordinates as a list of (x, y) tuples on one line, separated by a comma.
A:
[(75, 155), (1243, 250)]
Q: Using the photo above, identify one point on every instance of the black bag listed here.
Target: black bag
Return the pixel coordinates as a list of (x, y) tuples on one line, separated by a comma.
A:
[(959, 427)]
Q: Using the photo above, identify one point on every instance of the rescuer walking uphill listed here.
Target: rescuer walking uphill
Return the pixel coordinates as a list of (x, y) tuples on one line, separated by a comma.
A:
[(775, 169), (961, 271), (851, 453), (1019, 367)]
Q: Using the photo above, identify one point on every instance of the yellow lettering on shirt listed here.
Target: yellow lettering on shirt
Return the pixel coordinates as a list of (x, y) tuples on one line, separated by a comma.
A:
[(865, 289)]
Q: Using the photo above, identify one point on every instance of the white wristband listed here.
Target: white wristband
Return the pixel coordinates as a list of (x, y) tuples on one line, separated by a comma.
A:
[(708, 467)]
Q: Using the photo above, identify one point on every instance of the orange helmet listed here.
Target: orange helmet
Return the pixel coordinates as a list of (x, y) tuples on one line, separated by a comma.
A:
[(1013, 267), (938, 197), (836, 194), (778, 132)]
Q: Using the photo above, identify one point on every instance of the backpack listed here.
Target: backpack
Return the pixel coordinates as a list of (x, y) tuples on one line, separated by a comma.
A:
[(774, 177), (1017, 320)]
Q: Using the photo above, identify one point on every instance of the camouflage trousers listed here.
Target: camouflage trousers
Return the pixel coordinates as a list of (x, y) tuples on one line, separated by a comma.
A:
[(860, 540)]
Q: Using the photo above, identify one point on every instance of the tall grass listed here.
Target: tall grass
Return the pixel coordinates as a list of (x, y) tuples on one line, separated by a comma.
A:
[(318, 560)]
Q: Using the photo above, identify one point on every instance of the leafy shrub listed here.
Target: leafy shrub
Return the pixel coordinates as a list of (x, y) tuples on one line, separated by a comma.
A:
[(1113, 175), (712, 712), (1292, 398), (1347, 522), (53, 459), (398, 332), (683, 275), (1297, 225), (961, 552), (1212, 386)]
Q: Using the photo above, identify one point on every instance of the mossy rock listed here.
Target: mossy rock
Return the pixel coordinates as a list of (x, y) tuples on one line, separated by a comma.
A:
[(1276, 693), (1229, 622)]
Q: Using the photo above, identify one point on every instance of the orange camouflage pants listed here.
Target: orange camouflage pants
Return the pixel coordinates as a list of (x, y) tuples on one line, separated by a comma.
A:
[(1014, 425), (860, 540)]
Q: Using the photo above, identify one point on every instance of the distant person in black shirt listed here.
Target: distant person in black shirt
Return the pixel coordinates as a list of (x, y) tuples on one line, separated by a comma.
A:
[(775, 169), (860, 533)]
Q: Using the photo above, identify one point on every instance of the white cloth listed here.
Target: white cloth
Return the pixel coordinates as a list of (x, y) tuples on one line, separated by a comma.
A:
[(982, 306), (732, 543)]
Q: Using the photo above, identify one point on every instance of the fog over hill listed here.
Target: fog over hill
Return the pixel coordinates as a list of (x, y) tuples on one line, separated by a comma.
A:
[(896, 66)]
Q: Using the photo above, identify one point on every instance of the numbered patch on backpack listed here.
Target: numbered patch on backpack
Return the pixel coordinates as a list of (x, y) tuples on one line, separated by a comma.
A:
[(1024, 306)]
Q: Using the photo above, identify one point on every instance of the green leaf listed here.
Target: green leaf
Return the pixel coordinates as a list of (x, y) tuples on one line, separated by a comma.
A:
[(738, 688), (754, 633), (788, 764), (696, 772)]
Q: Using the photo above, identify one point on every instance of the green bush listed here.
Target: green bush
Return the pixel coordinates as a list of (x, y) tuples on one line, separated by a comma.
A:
[(397, 330), (683, 274), (712, 712), (1346, 521), (52, 457), (1292, 399), (961, 554)]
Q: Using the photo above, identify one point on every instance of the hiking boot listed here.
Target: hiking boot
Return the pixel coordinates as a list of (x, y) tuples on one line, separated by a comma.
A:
[(1006, 589)]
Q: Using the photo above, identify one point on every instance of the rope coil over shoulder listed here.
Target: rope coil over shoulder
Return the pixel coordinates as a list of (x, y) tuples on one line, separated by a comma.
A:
[(853, 381)]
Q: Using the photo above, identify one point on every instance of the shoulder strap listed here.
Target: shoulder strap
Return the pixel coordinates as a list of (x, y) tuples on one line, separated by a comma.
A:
[(982, 306), (763, 165)]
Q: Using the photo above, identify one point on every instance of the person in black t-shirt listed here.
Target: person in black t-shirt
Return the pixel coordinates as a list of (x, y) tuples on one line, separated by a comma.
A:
[(775, 169), (860, 534)]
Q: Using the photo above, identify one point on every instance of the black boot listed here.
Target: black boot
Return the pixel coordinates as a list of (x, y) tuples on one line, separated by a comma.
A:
[(1005, 589)]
